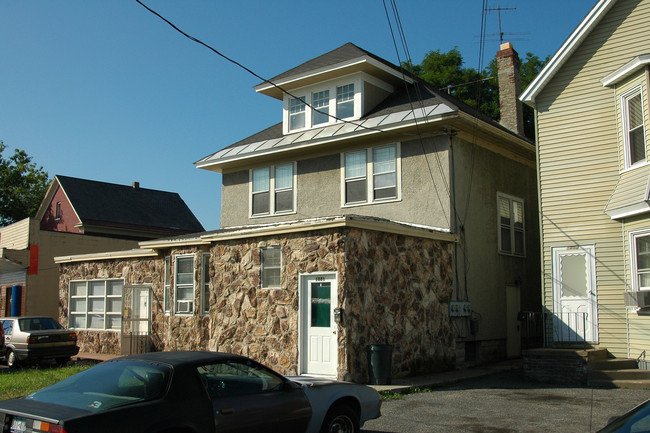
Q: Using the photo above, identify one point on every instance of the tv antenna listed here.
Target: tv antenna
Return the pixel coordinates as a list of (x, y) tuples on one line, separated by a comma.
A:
[(498, 9)]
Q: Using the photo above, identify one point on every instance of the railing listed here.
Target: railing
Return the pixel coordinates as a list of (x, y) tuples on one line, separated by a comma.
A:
[(570, 328), (532, 329)]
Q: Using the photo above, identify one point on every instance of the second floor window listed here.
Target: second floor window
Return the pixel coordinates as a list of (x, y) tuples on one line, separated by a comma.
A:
[(511, 225), (371, 175), (641, 260), (272, 190), (633, 127)]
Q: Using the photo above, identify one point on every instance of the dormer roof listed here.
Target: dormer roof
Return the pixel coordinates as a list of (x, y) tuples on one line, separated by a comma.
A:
[(344, 60)]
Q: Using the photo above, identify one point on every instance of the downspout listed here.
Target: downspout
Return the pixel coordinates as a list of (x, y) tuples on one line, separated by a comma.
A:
[(540, 219)]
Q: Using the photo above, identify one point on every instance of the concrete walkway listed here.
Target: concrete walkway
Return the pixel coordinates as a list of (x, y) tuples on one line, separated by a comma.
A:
[(448, 377)]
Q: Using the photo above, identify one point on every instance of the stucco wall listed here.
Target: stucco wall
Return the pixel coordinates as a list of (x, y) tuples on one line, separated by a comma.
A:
[(424, 194)]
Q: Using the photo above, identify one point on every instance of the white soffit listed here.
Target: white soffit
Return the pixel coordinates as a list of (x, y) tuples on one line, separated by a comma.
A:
[(626, 70)]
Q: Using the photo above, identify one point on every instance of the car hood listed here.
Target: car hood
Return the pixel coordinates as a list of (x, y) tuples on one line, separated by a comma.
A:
[(41, 411), (314, 381)]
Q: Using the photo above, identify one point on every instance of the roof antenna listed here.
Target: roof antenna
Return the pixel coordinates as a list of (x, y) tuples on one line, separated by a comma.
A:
[(499, 9)]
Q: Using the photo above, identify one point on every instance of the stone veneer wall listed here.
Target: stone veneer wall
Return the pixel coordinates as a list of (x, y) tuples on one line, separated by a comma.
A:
[(392, 289), (396, 292)]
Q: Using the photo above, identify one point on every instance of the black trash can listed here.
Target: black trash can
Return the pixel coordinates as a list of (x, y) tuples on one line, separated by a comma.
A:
[(380, 358)]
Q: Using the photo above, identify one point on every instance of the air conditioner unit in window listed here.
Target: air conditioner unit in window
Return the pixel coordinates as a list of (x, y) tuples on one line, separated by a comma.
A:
[(643, 299), (183, 306)]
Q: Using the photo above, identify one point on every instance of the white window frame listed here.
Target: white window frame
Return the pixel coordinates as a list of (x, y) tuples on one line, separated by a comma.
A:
[(167, 286), (370, 177), (205, 284), (625, 122), (634, 265), (189, 311), (272, 191), (264, 267), (106, 314), (512, 229), (307, 94)]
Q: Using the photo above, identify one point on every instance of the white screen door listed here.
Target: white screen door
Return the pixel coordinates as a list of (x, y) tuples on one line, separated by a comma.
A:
[(575, 308), (319, 351)]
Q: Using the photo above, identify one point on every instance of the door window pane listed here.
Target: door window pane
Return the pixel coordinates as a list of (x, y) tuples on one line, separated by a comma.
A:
[(574, 275), (320, 305)]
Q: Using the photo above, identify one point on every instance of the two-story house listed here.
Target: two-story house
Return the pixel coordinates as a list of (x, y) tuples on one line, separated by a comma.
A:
[(80, 216), (591, 107), (377, 211)]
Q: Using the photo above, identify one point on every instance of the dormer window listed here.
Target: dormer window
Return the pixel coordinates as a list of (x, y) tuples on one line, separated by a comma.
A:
[(321, 104), (633, 127), (345, 101), (297, 113)]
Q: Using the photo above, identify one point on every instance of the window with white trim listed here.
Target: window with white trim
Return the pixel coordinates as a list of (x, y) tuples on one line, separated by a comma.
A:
[(271, 267), (640, 246), (272, 190), (205, 283), (297, 108), (345, 101), (96, 304), (633, 127), (167, 295), (511, 224), (371, 175), (320, 101), (184, 285)]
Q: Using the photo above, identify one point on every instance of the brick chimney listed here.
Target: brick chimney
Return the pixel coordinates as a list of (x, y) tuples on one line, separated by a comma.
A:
[(510, 89)]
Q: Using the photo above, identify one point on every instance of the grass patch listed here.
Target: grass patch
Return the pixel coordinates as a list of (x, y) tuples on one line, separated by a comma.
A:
[(17, 383), (394, 395)]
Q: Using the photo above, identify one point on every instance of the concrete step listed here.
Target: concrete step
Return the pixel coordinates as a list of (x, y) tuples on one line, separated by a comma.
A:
[(627, 374), (612, 364), (626, 384)]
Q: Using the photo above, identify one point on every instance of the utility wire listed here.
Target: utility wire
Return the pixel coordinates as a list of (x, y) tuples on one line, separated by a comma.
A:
[(198, 41)]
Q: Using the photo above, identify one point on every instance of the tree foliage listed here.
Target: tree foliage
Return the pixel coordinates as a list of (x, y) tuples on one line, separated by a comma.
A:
[(478, 89), (22, 186)]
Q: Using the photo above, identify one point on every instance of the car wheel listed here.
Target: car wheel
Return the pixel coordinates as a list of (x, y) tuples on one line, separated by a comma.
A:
[(341, 419), (11, 358)]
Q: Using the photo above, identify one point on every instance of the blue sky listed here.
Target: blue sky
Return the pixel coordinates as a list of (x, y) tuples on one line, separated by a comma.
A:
[(104, 90)]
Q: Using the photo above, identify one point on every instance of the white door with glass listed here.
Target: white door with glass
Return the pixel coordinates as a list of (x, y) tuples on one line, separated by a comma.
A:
[(575, 307), (141, 310), (319, 331)]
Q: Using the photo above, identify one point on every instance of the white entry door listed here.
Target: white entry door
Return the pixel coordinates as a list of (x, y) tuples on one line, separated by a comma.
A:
[(141, 311), (575, 307), (319, 331)]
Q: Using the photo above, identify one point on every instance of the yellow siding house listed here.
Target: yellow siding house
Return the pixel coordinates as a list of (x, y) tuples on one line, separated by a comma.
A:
[(591, 110)]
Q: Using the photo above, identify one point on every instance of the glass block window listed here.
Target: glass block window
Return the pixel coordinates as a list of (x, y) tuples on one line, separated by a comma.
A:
[(96, 304)]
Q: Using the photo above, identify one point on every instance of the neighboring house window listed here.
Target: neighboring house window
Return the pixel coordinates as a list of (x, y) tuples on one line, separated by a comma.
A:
[(296, 113), (272, 190), (271, 266), (96, 304), (184, 284), (345, 101), (633, 127), (57, 212), (511, 224), (371, 175), (205, 284), (321, 104), (167, 296), (640, 245)]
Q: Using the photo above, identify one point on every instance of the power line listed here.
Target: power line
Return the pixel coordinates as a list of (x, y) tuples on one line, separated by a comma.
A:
[(265, 80)]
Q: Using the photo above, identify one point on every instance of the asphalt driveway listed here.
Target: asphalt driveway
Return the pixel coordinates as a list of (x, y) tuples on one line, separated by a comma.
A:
[(504, 403)]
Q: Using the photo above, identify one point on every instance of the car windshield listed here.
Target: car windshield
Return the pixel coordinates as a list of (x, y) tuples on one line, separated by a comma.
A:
[(38, 324), (108, 385), (635, 421)]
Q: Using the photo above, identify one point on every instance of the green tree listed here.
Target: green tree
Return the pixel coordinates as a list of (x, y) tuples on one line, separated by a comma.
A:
[(22, 186), (478, 89)]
